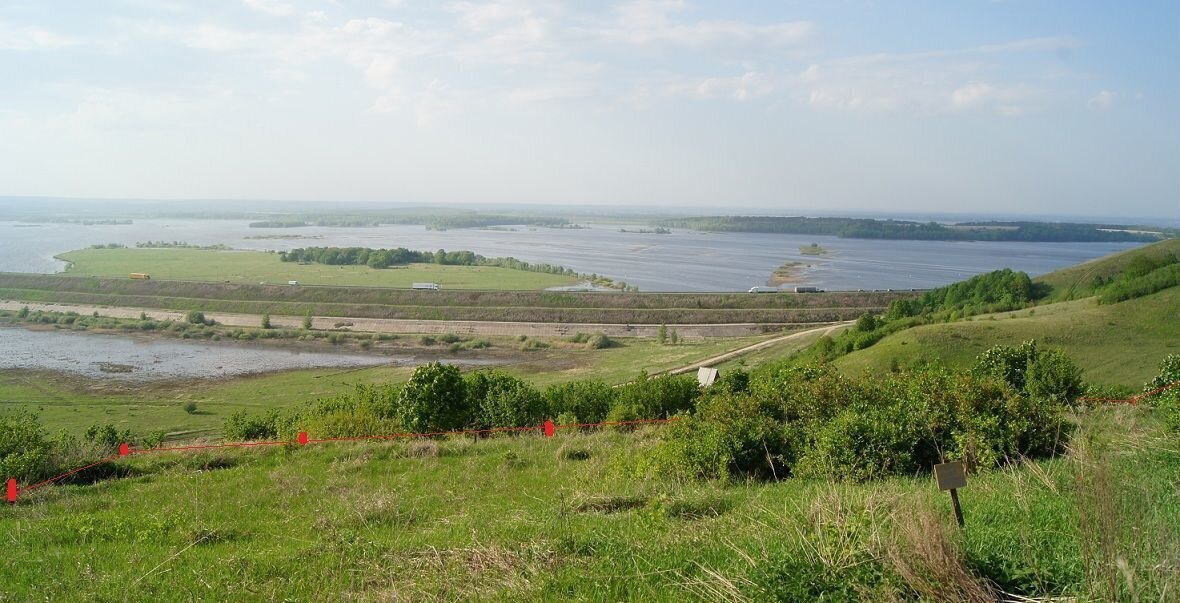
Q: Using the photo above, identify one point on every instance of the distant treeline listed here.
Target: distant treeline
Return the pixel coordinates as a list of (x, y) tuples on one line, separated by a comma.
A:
[(279, 224), (180, 245), (82, 221), (860, 228), (384, 258), (432, 221)]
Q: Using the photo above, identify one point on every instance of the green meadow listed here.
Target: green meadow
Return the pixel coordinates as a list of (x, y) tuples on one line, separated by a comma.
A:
[(262, 267)]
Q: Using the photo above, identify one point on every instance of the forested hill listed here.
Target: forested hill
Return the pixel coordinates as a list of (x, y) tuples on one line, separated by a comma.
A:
[(863, 228)]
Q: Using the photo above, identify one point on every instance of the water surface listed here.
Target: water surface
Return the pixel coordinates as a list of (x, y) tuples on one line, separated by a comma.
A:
[(681, 261)]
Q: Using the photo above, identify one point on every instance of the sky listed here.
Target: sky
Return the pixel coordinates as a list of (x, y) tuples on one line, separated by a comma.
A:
[(1007, 106)]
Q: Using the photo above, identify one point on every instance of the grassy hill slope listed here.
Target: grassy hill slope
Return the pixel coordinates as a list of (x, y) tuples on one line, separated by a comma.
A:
[(1117, 344), (535, 519), (1067, 281)]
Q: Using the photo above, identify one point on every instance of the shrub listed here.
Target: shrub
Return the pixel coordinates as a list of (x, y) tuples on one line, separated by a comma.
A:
[(266, 321), (600, 342), (588, 401), (735, 381), (657, 397), (502, 400), (1037, 372), (433, 399), (866, 323), (240, 426), (1167, 401), (196, 318), (1053, 376), (190, 407), (24, 449), (727, 436)]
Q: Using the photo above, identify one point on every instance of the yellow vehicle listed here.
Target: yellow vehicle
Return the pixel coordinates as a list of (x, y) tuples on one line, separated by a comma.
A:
[(141, 276)]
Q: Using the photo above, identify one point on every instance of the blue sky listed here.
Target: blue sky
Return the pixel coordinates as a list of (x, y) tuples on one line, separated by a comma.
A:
[(1012, 106)]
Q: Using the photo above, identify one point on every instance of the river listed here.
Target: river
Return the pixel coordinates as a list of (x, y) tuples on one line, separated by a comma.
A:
[(681, 261)]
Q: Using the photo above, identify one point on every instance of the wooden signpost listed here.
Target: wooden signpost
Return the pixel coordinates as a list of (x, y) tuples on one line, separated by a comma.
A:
[(952, 476)]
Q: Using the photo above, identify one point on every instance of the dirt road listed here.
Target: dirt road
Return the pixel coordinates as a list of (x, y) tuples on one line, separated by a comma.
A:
[(730, 355)]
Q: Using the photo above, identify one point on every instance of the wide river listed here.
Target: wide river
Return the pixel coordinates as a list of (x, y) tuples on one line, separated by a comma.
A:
[(681, 261), (135, 359)]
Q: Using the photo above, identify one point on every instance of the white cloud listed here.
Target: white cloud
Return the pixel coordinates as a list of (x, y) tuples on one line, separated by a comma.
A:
[(1010, 101), (747, 86), (973, 94), (273, 8), (31, 38), (648, 22), (1104, 99)]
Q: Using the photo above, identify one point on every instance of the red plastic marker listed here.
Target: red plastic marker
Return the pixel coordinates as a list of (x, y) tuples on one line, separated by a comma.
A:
[(124, 449), (12, 491), (549, 429), (303, 438)]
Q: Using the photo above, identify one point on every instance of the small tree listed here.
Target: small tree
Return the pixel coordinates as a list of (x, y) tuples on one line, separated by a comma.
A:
[(662, 335), (195, 317), (307, 321), (433, 399), (867, 322), (266, 321), (673, 337)]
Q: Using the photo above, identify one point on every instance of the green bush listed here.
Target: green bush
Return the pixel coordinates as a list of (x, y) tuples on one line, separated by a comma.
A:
[(656, 397), (108, 437), (587, 400), (1166, 401), (812, 421), (433, 399), (242, 427), (727, 436), (24, 449), (503, 400), (190, 407), (1037, 372)]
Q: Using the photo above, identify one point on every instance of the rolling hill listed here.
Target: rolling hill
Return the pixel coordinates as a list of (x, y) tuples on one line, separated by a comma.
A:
[(1116, 344)]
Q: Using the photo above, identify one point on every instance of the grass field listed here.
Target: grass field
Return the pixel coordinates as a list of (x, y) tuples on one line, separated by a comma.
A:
[(532, 519), (1117, 344), (259, 267), (74, 403)]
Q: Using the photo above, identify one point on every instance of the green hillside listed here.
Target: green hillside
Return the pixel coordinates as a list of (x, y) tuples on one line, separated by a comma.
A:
[(1116, 344), (535, 519), (1074, 281)]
